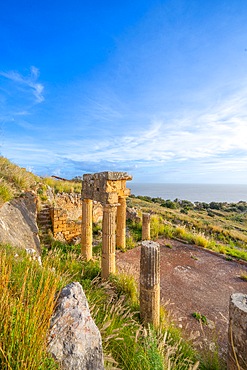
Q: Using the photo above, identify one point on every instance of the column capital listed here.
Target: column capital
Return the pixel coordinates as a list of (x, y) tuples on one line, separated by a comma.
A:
[(109, 206)]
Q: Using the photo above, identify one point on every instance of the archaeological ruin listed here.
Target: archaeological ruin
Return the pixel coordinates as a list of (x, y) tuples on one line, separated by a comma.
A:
[(108, 188)]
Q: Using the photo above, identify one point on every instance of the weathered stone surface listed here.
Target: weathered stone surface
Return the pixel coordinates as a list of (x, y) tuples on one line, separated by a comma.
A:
[(146, 219), (105, 187), (18, 225), (74, 340), (71, 203), (86, 230), (121, 223), (237, 333), (108, 242), (97, 212), (150, 283), (132, 214)]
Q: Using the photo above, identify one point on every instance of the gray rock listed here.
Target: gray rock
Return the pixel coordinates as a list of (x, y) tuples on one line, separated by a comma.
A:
[(18, 225), (75, 340)]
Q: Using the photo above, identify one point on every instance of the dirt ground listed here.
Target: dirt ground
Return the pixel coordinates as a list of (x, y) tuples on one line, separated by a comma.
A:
[(194, 280)]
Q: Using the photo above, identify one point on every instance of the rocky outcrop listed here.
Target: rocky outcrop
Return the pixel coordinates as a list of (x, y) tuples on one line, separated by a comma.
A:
[(18, 225), (75, 340), (132, 214)]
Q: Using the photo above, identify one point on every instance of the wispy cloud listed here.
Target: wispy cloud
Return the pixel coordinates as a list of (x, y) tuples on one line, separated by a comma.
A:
[(212, 139), (29, 81)]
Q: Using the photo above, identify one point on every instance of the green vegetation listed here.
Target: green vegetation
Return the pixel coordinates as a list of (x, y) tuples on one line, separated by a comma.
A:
[(14, 180), (199, 317), (243, 276), (221, 227), (26, 304), (28, 290), (28, 299), (62, 186)]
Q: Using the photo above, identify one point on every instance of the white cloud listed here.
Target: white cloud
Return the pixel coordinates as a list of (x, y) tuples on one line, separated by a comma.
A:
[(200, 136), (27, 81)]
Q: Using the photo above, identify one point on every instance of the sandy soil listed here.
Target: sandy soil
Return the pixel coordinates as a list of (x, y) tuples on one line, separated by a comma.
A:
[(194, 280)]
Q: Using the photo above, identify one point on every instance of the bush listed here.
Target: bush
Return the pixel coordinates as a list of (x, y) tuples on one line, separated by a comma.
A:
[(157, 226), (169, 204)]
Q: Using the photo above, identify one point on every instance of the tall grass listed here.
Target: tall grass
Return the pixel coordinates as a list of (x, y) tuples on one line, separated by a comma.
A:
[(6, 191), (17, 178), (60, 186), (27, 301), (26, 304)]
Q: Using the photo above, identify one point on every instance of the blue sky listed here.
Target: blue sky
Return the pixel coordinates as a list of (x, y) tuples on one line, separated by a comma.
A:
[(155, 88)]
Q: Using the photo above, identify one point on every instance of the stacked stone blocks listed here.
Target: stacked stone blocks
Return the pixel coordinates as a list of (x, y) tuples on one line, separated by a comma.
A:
[(62, 225)]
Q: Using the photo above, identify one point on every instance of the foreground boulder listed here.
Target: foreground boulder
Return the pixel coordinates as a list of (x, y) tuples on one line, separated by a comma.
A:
[(18, 226), (75, 340)]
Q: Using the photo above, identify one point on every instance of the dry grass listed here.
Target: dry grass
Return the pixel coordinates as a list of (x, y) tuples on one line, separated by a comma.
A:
[(26, 305)]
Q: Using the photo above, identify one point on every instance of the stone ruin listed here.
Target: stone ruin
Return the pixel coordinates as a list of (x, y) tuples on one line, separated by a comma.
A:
[(108, 188)]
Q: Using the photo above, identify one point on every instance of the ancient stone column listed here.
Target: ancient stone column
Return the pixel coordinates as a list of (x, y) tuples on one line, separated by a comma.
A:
[(237, 332), (150, 283), (121, 223), (108, 240), (86, 230), (145, 226)]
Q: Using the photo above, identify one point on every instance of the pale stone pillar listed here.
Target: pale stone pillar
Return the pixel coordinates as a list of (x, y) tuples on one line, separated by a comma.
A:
[(86, 230), (108, 241), (121, 223), (145, 226), (237, 332), (150, 283)]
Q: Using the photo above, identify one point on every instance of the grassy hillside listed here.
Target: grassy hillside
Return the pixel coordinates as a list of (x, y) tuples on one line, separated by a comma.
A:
[(14, 180), (28, 298), (24, 318), (221, 227)]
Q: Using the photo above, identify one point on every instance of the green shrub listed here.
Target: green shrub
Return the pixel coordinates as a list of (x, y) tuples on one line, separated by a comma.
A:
[(130, 242), (157, 226), (135, 229), (125, 285), (169, 204)]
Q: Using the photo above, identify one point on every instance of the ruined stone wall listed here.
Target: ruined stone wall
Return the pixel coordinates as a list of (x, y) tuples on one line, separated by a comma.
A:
[(66, 215), (71, 203), (63, 227)]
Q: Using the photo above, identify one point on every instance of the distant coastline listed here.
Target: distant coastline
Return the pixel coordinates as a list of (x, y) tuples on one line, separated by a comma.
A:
[(229, 193)]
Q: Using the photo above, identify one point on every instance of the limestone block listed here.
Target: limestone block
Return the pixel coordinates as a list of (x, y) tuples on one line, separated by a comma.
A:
[(105, 187), (74, 339)]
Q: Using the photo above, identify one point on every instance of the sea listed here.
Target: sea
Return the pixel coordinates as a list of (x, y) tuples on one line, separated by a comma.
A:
[(192, 192)]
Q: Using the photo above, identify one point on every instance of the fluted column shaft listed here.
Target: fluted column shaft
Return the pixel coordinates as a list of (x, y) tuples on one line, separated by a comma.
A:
[(145, 226), (86, 232), (150, 283), (108, 241), (121, 223)]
